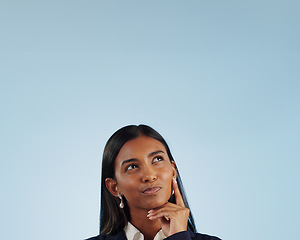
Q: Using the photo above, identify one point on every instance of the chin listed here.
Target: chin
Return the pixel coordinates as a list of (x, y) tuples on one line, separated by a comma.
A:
[(156, 203)]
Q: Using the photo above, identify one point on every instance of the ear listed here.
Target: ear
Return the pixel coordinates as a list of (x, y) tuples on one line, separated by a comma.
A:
[(112, 186), (174, 168)]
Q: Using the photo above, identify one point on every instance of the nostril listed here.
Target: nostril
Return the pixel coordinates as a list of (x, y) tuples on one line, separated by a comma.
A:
[(147, 179), (149, 175)]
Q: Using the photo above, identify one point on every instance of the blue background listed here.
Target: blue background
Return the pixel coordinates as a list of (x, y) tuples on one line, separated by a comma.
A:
[(218, 79)]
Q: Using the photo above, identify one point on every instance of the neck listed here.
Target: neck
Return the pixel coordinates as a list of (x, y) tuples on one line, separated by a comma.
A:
[(149, 228)]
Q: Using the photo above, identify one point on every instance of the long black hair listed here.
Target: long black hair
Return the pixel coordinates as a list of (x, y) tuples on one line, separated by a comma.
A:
[(112, 218)]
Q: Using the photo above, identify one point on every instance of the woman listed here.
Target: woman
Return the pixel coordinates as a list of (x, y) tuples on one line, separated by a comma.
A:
[(142, 195)]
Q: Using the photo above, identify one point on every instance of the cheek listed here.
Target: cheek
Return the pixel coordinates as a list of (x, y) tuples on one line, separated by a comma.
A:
[(167, 176), (168, 172), (128, 186)]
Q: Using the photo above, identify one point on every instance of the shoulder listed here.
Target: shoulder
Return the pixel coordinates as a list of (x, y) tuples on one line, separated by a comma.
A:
[(102, 237), (118, 236), (188, 235), (205, 237)]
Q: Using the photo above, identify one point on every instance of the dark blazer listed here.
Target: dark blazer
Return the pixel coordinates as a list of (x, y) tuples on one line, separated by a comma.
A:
[(185, 235)]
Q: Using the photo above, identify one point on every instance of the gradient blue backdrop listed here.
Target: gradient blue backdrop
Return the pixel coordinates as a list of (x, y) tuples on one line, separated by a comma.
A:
[(218, 79)]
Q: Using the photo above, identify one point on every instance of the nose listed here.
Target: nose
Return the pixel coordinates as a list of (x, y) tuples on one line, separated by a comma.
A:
[(149, 175)]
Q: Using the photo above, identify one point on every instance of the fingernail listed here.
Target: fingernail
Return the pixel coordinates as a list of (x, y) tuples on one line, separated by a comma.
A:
[(175, 180), (149, 213)]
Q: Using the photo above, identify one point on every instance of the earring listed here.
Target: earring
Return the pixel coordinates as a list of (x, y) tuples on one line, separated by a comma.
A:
[(121, 203)]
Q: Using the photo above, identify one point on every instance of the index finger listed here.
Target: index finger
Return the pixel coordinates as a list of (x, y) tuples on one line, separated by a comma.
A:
[(178, 197)]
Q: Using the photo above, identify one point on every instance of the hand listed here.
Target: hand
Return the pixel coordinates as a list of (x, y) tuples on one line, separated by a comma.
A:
[(172, 217)]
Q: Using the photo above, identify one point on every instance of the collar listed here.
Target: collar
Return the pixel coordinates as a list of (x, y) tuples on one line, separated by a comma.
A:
[(132, 233)]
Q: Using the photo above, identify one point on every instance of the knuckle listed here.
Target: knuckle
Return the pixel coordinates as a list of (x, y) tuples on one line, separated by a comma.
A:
[(187, 211)]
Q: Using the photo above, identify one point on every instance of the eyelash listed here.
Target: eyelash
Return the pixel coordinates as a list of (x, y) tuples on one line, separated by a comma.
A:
[(160, 158), (131, 165)]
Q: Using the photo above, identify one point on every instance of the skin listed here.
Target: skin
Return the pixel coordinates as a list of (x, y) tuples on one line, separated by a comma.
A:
[(145, 176)]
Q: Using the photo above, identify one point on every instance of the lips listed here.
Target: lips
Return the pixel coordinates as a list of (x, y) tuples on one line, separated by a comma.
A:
[(152, 190)]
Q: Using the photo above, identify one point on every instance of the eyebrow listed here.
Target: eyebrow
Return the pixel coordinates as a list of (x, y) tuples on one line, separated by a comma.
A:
[(135, 160), (154, 153), (129, 160)]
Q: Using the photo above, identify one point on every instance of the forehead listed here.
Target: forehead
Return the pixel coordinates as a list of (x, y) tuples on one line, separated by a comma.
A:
[(139, 146)]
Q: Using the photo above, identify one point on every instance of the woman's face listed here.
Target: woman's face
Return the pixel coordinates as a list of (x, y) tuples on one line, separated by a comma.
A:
[(144, 173)]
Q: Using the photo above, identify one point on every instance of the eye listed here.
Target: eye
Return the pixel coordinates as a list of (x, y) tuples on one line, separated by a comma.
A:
[(158, 159), (131, 167)]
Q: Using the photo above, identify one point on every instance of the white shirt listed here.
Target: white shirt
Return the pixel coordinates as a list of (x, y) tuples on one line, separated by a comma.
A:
[(132, 233)]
